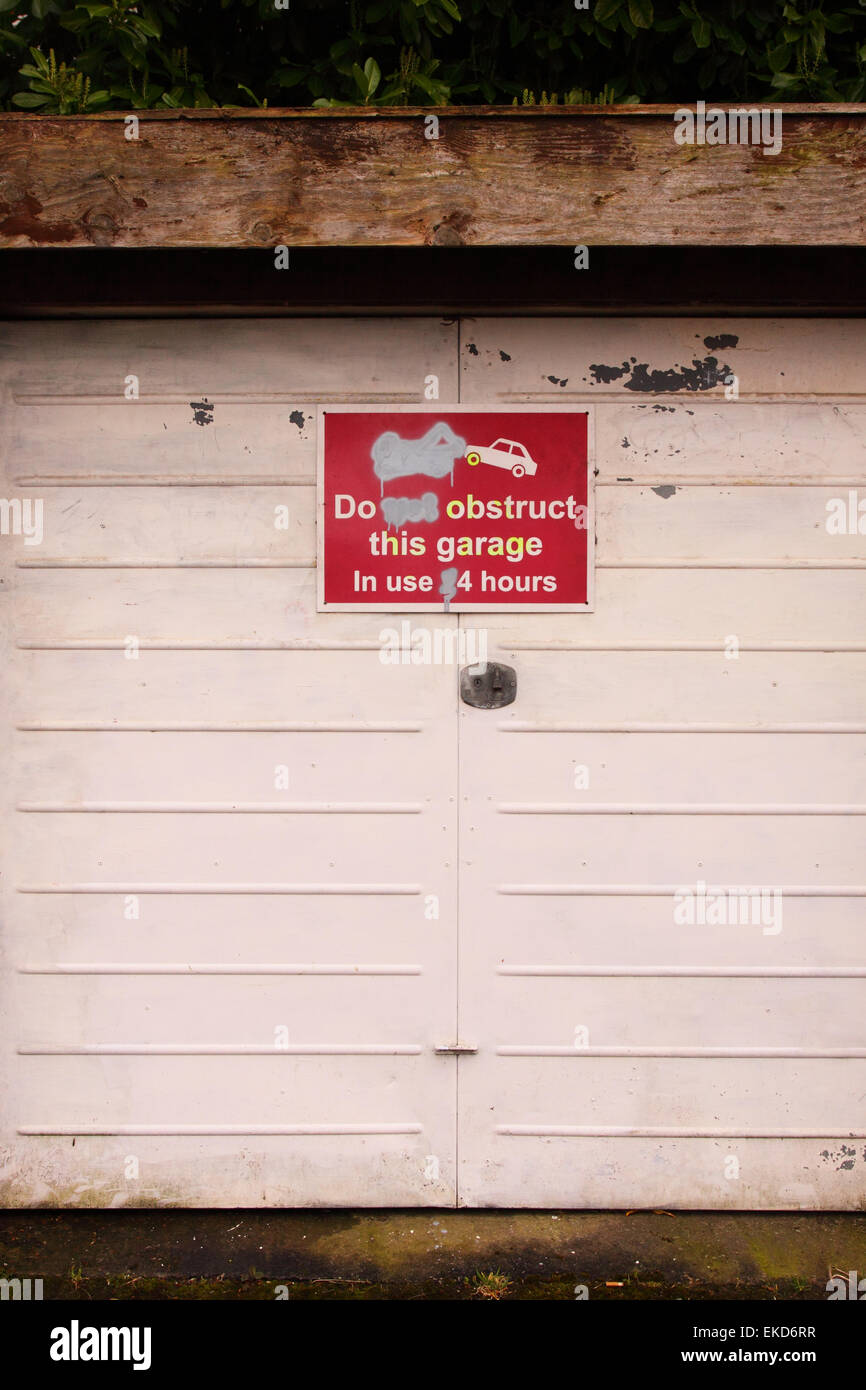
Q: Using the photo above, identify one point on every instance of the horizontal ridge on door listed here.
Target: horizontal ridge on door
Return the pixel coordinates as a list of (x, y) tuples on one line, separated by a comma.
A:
[(162, 480), (197, 968), (265, 889), (795, 1053), (662, 890), (670, 1132), (217, 1129), (220, 1050), (688, 972), (674, 808), (239, 808), (517, 726), (323, 726)]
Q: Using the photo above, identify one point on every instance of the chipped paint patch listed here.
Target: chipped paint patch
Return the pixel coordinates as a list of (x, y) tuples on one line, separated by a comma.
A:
[(202, 412), (664, 490), (702, 375), (844, 1157), (723, 340), (603, 376), (297, 417)]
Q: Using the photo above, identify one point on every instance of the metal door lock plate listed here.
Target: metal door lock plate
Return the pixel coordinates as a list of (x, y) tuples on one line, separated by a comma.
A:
[(489, 685)]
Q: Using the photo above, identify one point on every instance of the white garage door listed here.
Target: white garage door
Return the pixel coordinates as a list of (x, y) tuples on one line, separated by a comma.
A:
[(224, 817), (705, 724), (238, 849)]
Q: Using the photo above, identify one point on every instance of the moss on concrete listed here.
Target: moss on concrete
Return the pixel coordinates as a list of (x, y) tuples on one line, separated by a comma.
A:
[(257, 1289), (431, 1253)]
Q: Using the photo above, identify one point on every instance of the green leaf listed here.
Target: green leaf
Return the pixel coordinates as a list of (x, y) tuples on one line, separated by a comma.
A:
[(641, 12), (290, 77), (441, 25), (373, 74), (29, 99), (437, 91), (607, 10), (154, 19), (701, 33), (129, 50), (778, 57), (517, 30)]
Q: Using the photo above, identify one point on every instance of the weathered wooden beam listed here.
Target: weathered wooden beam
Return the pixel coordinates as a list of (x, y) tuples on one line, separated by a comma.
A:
[(494, 177)]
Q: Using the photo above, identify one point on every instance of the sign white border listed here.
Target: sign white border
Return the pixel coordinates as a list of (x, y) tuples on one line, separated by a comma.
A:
[(445, 408)]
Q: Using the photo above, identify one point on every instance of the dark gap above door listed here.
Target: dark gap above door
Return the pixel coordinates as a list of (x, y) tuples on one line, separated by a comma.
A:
[(778, 280)]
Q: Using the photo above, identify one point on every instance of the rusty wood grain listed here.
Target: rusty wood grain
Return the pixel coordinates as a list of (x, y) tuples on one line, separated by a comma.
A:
[(501, 177)]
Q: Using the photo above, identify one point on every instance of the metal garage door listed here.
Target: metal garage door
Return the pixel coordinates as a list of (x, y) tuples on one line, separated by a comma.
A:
[(705, 724), (225, 820), (235, 843)]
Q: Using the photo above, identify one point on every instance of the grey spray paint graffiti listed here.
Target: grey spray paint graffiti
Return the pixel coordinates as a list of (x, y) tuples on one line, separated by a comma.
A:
[(448, 585), (434, 454), (398, 510)]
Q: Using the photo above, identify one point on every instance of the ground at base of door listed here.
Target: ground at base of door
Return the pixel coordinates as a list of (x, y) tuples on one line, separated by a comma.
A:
[(430, 1254), (474, 1289)]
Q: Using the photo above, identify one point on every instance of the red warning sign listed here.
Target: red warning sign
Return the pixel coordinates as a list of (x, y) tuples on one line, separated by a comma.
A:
[(454, 509)]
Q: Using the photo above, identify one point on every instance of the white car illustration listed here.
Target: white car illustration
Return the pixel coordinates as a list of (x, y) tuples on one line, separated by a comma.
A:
[(504, 453)]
